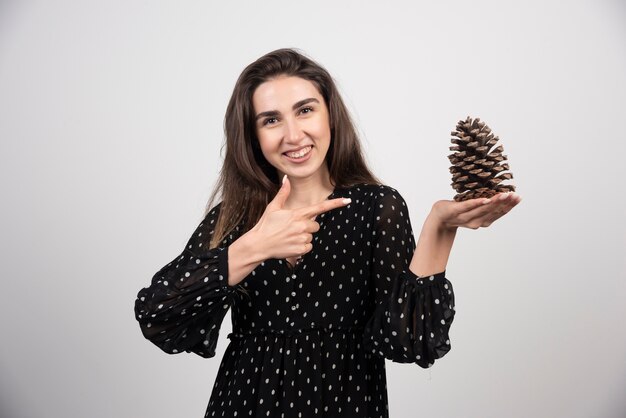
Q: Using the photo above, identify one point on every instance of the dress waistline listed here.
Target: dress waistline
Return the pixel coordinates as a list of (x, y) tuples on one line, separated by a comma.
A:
[(293, 332)]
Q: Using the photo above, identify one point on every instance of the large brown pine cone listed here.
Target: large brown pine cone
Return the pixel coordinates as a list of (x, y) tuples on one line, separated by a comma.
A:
[(477, 169)]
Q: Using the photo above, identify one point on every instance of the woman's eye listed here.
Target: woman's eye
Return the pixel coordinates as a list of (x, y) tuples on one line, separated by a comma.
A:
[(306, 110), (269, 121)]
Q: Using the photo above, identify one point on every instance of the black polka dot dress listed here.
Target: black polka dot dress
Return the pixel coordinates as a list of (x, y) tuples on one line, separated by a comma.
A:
[(308, 340)]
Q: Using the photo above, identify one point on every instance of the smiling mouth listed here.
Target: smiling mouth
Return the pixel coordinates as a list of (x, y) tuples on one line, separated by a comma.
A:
[(300, 153)]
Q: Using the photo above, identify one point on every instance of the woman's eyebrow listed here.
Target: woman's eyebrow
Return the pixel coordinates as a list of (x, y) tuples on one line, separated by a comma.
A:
[(305, 101), (272, 113)]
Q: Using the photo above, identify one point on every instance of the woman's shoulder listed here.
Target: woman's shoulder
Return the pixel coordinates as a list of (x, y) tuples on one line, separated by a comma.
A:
[(372, 192), (211, 214)]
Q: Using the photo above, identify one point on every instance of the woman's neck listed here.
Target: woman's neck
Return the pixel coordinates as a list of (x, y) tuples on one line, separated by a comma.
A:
[(309, 190)]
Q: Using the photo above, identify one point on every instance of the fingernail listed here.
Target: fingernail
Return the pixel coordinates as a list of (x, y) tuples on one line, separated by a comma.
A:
[(504, 196), (486, 201), (284, 178), (347, 200)]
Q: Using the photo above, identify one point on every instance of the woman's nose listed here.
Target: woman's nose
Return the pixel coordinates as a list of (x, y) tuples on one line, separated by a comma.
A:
[(293, 131)]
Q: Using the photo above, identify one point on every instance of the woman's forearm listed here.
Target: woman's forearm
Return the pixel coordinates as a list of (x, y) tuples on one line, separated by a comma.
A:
[(433, 247), (244, 255)]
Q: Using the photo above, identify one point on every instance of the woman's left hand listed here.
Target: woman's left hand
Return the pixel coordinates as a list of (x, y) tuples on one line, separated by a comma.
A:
[(474, 213)]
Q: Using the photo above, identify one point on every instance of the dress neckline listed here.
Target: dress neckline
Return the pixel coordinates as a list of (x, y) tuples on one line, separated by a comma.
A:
[(318, 218)]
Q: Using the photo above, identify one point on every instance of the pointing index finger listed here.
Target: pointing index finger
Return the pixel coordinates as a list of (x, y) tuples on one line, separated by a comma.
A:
[(314, 210)]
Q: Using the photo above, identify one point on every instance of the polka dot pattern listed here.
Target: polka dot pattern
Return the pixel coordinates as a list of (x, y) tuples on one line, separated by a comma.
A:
[(308, 340)]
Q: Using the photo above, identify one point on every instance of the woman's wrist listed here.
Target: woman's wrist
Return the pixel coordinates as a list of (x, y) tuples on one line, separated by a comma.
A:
[(433, 247), (244, 254), (435, 223), (252, 246)]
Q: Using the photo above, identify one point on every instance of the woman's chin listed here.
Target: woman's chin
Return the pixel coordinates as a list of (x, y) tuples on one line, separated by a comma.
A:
[(304, 172)]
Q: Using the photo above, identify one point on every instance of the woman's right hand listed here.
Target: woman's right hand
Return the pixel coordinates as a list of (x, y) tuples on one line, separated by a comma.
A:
[(284, 233), (280, 233)]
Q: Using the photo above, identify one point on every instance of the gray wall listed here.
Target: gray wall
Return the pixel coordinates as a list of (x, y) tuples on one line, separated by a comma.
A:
[(110, 131)]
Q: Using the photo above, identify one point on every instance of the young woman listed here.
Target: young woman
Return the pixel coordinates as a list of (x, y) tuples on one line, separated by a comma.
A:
[(314, 257)]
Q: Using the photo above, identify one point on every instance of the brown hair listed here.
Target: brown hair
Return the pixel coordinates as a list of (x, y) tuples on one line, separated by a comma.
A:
[(247, 182)]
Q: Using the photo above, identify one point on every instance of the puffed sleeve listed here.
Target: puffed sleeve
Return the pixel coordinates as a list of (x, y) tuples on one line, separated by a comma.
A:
[(184, 306), (413, 314)]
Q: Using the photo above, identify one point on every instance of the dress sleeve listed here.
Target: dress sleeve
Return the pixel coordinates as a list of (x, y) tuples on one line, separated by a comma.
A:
[(184, 306), (413, 314)]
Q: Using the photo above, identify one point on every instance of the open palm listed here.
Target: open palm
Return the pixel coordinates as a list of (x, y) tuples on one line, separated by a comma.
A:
[(474, 213)]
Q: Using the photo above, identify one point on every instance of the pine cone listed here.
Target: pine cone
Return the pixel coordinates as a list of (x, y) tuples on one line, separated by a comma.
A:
[(477, 172)]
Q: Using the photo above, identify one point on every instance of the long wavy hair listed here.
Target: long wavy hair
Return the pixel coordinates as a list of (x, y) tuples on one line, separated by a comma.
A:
[(247, 182)]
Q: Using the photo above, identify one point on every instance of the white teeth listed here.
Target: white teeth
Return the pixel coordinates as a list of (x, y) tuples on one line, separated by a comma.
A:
[(299, 154)]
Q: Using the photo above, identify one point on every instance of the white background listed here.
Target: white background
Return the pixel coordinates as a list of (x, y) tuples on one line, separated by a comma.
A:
[(110, 131)]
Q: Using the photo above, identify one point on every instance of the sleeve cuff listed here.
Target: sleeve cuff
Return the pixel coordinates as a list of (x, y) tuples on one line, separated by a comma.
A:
[(222, 259), (426, 280)]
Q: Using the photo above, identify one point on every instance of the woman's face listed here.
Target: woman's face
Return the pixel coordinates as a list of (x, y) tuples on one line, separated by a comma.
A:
[(292, 125)]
